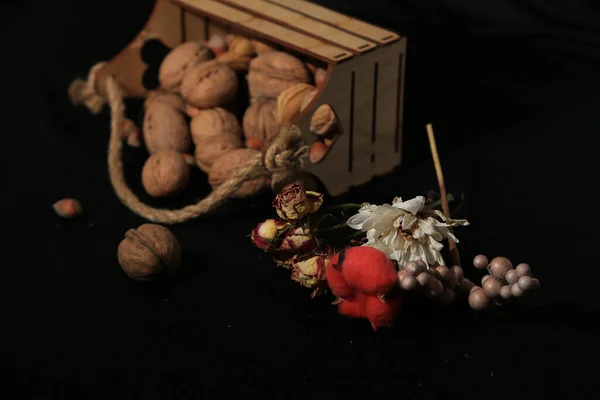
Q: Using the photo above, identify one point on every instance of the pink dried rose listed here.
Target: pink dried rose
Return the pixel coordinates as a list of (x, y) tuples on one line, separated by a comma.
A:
[(293, 202), (310, 273), (299, 241), (266, 232)]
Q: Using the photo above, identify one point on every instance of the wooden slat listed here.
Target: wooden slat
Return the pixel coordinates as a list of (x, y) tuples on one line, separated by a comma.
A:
[(194, 26), (364, 82), (273, 32), (303, 23), (342, 21)]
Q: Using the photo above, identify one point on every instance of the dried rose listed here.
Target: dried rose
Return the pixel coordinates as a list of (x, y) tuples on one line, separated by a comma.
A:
[(263, 235), (310, 273), (299, 241), (293, 202)]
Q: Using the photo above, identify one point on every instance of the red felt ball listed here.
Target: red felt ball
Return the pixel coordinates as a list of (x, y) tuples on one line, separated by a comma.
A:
[(335, 279), (354, 307), (380, 313), (368, 270)]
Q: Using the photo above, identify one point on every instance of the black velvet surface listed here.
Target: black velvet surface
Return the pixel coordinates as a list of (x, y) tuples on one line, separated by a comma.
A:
[(512, 88)]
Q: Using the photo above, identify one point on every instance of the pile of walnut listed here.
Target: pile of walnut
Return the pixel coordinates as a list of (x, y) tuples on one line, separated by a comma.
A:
[(194, 118)]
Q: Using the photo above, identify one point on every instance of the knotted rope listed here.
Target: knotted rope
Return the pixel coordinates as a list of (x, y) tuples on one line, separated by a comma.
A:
[(281, 158)]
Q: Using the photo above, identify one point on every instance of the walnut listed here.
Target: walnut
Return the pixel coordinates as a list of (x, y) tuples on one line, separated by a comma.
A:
[(179, 60), (209, 84), (226, 166), (238, 62), (273, 72), (210, 150), (213, 122), (165, 128), (240, 45), (260, 123), (149, 252), (174, 100), (290, 101), (165, 173), (323, 120)]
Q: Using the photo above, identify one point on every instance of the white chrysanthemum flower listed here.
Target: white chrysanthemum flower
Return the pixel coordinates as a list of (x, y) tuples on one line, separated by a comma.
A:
[(406, 230)]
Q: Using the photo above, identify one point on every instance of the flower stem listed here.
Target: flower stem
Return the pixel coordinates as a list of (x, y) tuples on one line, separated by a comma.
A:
[(343, 206), (438, 203), (334, 228)]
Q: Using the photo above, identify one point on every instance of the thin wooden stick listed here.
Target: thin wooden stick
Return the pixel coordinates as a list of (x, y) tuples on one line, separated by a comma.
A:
[(440, 178)]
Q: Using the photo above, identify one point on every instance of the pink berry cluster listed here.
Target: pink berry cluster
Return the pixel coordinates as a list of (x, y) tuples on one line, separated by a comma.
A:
[(438, 282), (502, 284)]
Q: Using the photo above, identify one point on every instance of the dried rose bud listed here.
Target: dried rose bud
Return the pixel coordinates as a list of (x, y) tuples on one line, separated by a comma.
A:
[(263, 235), (68, 208), (299, 241), (310, 273), (293, 202)]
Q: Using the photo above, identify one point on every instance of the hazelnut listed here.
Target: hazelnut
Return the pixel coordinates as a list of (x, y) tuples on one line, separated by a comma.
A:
[(254, 143), (191, 110), (209, 84), (165, 173), (290, 101), (317, 152), (260, 120), (323, 120), (148, 252), (68, 208), (272, 72), (212, 122), (180, 59), (240, 45), (261, 47), (165, 128), (226, 166), (237, 62), (174, 100), (210, 150)]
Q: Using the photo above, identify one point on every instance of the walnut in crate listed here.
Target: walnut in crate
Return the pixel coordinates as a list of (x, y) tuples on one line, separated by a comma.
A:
[(272, 72), (172, 99), (149, 252), (290, 101), (324, 121), (179, 60), (165, 173), (213, 122), (260, 123), (210, 150), (165, 128), (229, 164), (209, 84)]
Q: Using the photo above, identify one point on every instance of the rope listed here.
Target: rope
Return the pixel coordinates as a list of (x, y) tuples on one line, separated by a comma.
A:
[(281, 158)]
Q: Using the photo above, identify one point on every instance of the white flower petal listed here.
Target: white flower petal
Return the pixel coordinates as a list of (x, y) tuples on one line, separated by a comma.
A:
[(412, 206), (408, 221)]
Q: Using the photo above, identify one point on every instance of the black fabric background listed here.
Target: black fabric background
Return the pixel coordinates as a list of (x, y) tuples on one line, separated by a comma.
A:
[(512, 90)]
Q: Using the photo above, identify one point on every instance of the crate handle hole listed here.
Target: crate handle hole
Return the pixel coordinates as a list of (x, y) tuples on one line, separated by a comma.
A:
[(325, 125)]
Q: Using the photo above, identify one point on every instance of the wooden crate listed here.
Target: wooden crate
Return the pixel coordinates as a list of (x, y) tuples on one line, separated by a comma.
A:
[(364, 63)]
